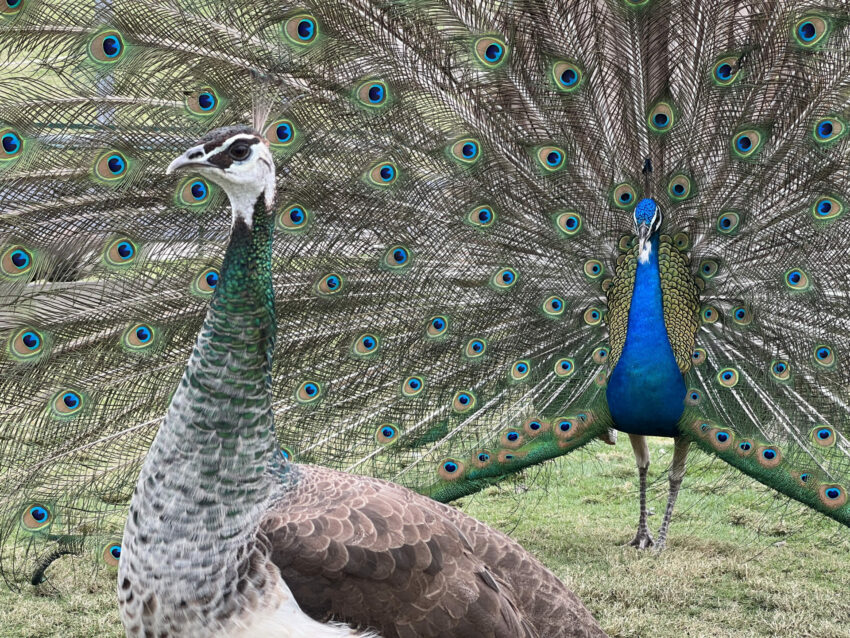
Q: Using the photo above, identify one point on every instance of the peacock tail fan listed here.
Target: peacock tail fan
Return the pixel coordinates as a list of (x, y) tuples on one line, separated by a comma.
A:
[(456, 183)]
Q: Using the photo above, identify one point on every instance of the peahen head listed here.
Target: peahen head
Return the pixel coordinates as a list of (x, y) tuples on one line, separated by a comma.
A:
[(237, 159), (647, 222)]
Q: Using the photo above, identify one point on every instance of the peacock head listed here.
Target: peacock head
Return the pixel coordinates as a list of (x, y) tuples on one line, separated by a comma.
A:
[(237, 159), (647, 222)]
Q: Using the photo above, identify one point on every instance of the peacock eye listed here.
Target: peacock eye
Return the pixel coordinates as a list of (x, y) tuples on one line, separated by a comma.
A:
[(239, 151)]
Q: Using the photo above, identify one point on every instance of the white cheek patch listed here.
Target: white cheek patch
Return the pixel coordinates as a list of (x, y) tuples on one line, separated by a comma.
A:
[(645, 251)]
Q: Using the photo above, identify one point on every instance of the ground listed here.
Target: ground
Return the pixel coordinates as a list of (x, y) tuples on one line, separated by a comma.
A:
[(740, 562)]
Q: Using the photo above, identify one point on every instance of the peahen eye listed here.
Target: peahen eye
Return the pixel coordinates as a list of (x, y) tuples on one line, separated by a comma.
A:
[(239, 151)]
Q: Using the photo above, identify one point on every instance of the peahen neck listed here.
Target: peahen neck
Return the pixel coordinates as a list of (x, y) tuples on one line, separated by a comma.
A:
[(646, 390)]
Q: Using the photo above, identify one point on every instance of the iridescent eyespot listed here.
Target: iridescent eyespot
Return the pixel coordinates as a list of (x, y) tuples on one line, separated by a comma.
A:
[(203, 102), (568, 223), (36, 517), (450, 470), (593, 268), (281, 133), (294, 217), (111, 166), (138, 337), (693, 397), (481, 217), (412, 386), (463, 401), (829, 129), (206, 282), (365, 345), (482, 458), (16, 261), (330, 284), (11, 7), (593, 316), (308, 392), (796, 279), (742, 316), (11, 144), (107, 47), (520, 369), (465, 151), (512, 439), (624, 196), (567, 76), (679, 187), (709, 314), (111, 554), (708, 268), (437, 327), (397, 257), (698, 357), (827, 208), (475, 348), (551, 158), (833, 496), (372, 93), (824, 356), (728, 377), (564, 367), (120, 252), (301, 29), (626, 243), (768, 456), (504, 278), (554, 306), (811, 30), (383, 174), (728, 222), (27, 344), (726, 70), (490, 51), (386, 433), (823, 435), (746, 143), (661, 118), (780, 370), (67, 403), (286, 454), (193, 192), (534, 426), (721, 439), (565, 428), (681, 241)]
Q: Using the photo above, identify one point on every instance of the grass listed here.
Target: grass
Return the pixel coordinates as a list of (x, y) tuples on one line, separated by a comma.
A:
[(741, 563)]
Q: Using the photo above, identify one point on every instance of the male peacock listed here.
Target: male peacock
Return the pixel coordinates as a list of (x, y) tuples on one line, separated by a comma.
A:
[(224, 535), (460, 189)]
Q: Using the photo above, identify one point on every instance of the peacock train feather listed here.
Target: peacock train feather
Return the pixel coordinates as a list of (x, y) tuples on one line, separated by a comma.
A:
[(466, 191)]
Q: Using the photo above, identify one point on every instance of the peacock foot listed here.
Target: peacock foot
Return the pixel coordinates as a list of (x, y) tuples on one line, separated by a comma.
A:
[(659, 546), (642, 540)]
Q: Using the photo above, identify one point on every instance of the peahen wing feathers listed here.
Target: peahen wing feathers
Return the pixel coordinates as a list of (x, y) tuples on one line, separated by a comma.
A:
[(456, 185)]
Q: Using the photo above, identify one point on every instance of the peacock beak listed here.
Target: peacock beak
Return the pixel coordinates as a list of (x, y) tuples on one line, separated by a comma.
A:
[(193, 158)]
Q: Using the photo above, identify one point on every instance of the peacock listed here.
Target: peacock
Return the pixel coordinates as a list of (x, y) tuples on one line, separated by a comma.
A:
[(226, 537), (504, 231)]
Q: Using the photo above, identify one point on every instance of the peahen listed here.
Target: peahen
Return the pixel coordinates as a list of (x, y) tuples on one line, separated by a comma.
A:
[(505, 229), (227, 538)]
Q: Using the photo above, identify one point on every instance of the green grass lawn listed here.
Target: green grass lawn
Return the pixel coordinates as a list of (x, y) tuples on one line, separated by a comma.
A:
[(740, 562)]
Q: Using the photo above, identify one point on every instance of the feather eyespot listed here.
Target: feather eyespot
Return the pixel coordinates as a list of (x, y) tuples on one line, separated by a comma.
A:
[(829, 129), (139, 337), (566, 428), (550, 158), (564, 367), (661, 118), (27, 344), (626, 243), (721, 439), (481, 217), (728, 377), (709, 314), (386, 433), (466, 151), (824, 356), (823, 435), (366, 345), (194, 192), (811, 30), (534, 426), (698, 357), (520, 369), (412, 386), (11, 7), (833, 496), (593, 316), (624, 196), (383, 174), (308, 392), (16, 261), (286, 454), (67, 403), (725, 71), (512, 440), (491, 51), (120, 252), (768, 456), (681, 241), (600, 355), (36, 516), (281, 133), (693, 397), (451, 469), (567, 76), (482, 459), (780, 370), (463, 401), (568, 223), (475, 348), (107, 47), (301, 29), (330, 284), (11, 144), (554, 306), (747, 143), (593, 268), (294, 217), (744, 448), (111, 166), (728, 222), (372, 93), (206, 282), (679, 188), (437, 327), (708, 268), (203, 102), (742, 316), (504, 279), (111, 553), (397, 257), (797, 280), (827, 208)]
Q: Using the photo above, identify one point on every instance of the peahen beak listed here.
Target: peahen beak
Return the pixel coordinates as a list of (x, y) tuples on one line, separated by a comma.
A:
[(193, 158)]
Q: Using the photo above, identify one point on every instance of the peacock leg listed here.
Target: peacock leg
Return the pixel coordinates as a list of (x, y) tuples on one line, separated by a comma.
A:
[(677, 473), (643, 539)]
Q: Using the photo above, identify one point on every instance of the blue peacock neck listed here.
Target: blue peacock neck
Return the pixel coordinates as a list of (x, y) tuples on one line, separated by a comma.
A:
[(646, 390)]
